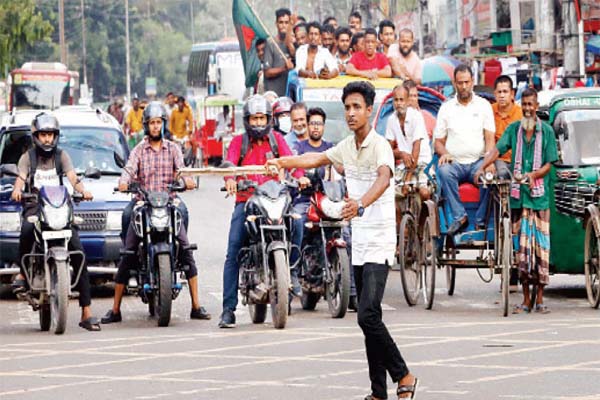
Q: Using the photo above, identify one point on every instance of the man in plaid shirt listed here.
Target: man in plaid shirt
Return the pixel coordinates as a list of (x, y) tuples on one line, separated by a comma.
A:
[(154, 163)]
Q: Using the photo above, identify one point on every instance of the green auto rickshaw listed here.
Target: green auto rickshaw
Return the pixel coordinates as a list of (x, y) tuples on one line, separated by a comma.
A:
[(575, 217)]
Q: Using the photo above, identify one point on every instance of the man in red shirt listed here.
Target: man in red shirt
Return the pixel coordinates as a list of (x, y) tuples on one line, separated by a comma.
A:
[(369, 63), (258, 144)]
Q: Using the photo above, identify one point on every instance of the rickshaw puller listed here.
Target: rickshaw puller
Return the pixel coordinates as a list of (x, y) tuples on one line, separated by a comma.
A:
[(534, 149)]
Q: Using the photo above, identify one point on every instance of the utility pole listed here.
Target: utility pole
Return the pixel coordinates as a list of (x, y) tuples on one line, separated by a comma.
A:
[(570, 41), (192, 18), (420, 28), (83, 44), (61, 31), (546, 37), (127, 72)]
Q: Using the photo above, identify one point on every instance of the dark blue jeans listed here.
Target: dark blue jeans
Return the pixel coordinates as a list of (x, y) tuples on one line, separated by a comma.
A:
[(237, 238), (382, 353), (453, 174), (298, 233)]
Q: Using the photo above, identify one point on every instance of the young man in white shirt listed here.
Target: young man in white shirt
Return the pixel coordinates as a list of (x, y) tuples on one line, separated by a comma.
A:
[(465, 131), (406, 132), (313, 60), (368, 164)]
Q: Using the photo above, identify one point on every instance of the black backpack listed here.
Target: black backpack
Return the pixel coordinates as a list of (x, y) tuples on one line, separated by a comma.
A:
[(246, 144), (33, 166)]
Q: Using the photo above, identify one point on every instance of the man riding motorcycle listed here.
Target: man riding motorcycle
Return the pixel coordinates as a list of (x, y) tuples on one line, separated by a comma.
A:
[(44, 165), (154, 163), (258, 143)]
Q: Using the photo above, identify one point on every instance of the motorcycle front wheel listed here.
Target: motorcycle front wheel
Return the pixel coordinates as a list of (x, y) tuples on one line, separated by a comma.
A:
[(163, 298), (280, 285), (258, 313), (338, 291), (59, 295)]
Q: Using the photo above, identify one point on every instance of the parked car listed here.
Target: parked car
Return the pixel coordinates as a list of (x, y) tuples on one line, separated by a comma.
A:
[(91, 137)]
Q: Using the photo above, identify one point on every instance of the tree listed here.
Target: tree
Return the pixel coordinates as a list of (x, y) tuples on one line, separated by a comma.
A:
[(21, 26)]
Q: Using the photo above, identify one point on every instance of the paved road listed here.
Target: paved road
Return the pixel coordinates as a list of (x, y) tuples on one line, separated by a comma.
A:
[(462, 349)]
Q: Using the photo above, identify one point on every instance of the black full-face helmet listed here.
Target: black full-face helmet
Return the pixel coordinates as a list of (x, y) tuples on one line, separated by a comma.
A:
[(257, 104), (154, 110), (45, 122)]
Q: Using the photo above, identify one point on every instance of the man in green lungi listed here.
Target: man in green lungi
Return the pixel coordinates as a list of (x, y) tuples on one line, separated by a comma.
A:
[(533, 148)]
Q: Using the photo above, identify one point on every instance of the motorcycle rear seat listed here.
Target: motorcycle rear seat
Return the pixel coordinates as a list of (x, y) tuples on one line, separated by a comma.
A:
[(468, 193)]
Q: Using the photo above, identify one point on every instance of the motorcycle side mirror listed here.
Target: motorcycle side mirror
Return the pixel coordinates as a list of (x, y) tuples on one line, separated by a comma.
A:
[(92, 173), (9, 169), (118, 160)]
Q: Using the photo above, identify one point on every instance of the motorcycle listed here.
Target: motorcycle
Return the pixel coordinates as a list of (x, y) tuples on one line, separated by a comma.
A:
[(325, 265), (264, 264), (157, 221), (47, 268)]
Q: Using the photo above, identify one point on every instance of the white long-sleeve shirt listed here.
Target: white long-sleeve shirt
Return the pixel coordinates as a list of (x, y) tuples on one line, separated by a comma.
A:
[(322, 58)]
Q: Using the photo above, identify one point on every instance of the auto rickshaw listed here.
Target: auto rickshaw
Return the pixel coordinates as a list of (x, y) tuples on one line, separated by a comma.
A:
[(575, 218), (216, 127)]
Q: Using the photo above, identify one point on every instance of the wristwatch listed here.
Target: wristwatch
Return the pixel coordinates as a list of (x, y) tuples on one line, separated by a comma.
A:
[(361, 209)]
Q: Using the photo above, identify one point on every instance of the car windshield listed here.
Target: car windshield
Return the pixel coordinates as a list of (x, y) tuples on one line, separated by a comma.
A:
[(93, 147), (581, 144)]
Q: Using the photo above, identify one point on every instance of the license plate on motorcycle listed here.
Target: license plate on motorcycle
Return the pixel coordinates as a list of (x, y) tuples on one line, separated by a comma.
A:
[(52, 235)]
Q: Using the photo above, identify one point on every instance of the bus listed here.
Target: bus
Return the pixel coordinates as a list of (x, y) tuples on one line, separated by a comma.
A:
[(216, 68), (42, 85)]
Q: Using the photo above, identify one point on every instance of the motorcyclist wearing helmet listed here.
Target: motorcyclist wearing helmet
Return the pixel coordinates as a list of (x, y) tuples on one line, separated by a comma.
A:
[(43, 165), (258, 143), (154, 163), (282, 119)]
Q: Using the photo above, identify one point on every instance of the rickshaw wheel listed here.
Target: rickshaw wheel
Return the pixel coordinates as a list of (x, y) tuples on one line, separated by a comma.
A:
[(198, 163), (408, 249), (450, 271), (428, 257), (592, 264), (506, 264)]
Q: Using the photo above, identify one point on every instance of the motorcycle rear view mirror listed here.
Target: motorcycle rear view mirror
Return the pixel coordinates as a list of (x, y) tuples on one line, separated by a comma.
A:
[(9, 169), (92, 173), (119, 160), (226, 164)]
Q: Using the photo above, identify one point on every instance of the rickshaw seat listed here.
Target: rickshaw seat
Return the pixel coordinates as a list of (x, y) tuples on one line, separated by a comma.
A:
[(468, 193), (209, 128)]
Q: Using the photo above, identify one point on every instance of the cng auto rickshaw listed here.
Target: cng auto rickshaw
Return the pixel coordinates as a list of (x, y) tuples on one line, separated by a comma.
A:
[(214, 131), (575, 218)]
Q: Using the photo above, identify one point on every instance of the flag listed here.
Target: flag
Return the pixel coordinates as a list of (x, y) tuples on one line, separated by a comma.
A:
[(248, 29)]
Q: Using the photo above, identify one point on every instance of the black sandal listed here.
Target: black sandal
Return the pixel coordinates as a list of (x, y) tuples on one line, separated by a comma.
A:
[(91, 324), (403, 389)]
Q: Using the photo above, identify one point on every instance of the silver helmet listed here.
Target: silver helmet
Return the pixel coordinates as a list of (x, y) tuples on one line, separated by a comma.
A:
[(45, 122), (154, 109), (257, 104)]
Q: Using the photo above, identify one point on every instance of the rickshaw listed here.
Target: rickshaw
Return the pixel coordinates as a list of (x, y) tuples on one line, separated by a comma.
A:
[(211, 141), (575, 218), (416, 220)]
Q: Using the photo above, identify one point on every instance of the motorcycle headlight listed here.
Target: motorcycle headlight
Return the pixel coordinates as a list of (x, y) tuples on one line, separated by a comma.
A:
[(159, 218), (113, 220), (332, 209), (274, 208), (56, 218), (10, 222)]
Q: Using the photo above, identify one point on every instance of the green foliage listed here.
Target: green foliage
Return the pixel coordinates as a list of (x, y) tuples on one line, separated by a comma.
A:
[(21, 26)]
